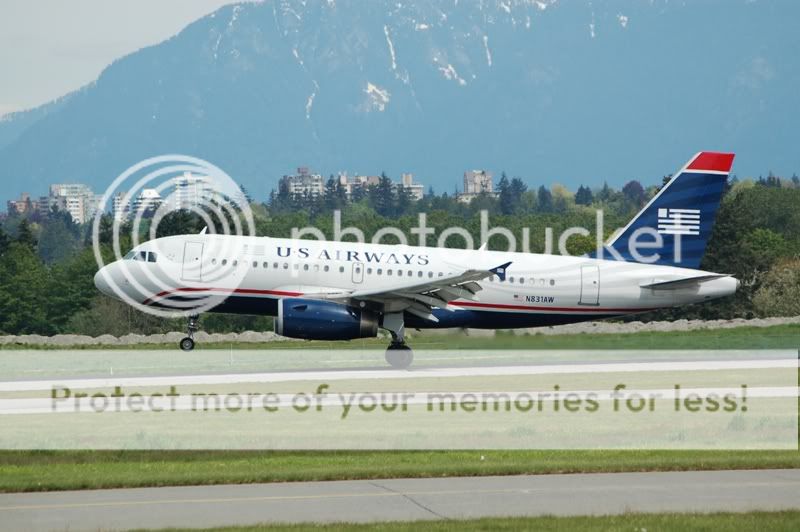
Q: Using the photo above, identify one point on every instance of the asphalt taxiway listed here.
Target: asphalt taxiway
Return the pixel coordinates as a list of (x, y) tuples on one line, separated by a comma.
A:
[(403, 499)]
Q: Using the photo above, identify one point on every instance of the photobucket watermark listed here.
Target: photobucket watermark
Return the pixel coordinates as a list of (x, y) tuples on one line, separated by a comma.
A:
[(643, 246)]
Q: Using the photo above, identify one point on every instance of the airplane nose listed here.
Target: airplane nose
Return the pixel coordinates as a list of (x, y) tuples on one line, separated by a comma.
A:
[(101, 280)]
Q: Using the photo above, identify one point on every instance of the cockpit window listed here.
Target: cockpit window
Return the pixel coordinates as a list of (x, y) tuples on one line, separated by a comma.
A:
[(141, 256)]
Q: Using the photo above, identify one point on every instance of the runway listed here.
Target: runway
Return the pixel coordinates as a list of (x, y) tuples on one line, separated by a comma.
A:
[(390, 374), (403, 499)]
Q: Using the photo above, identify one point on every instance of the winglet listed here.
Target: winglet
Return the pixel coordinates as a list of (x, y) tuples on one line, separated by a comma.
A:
[(500, 271)]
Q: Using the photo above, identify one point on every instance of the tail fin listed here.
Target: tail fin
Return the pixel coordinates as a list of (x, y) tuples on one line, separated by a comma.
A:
[(681, 214)]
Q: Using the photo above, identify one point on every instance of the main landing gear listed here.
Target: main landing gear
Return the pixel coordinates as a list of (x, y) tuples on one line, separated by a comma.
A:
[(398, 354), (187, 343)]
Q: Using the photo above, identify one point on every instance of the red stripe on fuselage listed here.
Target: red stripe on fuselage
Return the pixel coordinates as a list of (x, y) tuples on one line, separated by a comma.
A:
[(499, 306), (552, 309), (231, 290)]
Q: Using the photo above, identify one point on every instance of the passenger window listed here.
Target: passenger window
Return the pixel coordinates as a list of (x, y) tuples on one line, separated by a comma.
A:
[(341, 269), (430, 274), (316, 267), (224, 262), (266, 265), (326, 268), (510, 279), (521, 280), (380, 271), (235, 263), (285, 265), (255, 264), (552, 282), (419, 274), (369, 271), (305, 267), (275, 265), (213, 261), (388, 272)]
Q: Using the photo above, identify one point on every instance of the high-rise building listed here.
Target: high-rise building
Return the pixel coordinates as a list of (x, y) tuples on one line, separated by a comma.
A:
[(304, 183), (190, 191), (78, 200), (415, 189), (46, 204), (148, 201), (476, 182), (120, 208), (21, 206)]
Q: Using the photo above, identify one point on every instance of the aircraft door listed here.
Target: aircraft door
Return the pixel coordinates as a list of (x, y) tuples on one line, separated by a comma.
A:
[(590, 285), (358, 272), (192, 261)]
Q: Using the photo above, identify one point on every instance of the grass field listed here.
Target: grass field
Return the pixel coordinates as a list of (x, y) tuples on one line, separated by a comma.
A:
[(57, 470), (61, 470), (774, 337), (660, 522)]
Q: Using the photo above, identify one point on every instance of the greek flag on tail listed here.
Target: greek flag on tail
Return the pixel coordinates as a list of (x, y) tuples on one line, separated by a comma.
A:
[(681, 216)]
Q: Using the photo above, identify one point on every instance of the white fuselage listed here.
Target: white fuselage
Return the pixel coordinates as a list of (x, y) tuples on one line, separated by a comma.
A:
[(255, 272)]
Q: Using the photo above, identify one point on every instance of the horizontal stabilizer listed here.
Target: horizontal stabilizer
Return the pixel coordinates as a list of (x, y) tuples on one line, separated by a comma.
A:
[(683, 283)]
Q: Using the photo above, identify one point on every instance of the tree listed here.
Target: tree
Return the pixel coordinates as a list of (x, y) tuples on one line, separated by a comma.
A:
[(384, 196), (59, 238), (584, 196), (180, 222), (505, 195), (544, 199), (405, 201), (24, 298), (634, 193), (245, 194), (779, 293), (518, 189), (333, 198), (796, 181), (25, 234), (770, 182), (4, 241), (605, 193)]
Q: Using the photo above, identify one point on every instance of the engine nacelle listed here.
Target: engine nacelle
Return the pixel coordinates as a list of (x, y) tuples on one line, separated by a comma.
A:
[(324, 320)]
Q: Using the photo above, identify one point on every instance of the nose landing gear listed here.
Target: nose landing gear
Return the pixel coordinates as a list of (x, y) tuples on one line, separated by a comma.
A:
[(193, 325)]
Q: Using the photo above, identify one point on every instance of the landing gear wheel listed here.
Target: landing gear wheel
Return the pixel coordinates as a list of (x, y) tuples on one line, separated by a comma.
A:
[(399, 356), (187, 344)]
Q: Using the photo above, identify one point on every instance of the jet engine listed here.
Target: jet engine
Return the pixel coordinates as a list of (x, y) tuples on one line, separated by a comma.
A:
[(311, 319)]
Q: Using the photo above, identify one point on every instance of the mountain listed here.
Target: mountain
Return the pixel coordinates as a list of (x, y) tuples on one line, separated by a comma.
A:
[(570, 92)]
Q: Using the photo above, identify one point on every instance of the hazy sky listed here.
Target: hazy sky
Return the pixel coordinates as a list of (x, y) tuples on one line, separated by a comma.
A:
[(51, 47)]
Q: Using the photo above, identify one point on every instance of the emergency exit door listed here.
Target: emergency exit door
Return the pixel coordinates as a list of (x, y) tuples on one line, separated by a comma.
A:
[(358, 272), (192, 261), (590, 285)]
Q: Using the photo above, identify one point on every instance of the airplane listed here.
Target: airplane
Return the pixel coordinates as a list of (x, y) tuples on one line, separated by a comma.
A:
[(326, 290)]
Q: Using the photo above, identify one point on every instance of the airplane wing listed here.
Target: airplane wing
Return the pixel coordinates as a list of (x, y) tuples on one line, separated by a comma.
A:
[(420, 297)]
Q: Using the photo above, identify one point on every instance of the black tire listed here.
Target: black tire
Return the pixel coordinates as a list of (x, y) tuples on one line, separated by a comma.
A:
[(187, 344), (399, 356)]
